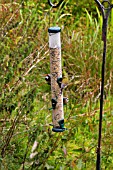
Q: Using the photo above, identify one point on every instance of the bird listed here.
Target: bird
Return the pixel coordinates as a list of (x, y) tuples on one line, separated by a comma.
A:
[(64, 83)]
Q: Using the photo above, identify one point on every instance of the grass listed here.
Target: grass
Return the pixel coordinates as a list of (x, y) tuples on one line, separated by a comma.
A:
[(25, 96)]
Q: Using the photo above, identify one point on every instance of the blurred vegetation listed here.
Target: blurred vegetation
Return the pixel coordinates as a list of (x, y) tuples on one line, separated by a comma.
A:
[(26, 139)]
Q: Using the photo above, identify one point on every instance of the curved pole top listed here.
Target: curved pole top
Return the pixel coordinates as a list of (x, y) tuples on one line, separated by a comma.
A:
[(53, 5), (102, 4), (103, 8)]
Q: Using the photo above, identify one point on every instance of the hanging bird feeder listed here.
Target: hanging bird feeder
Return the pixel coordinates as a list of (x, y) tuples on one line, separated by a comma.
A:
[(56, 77)]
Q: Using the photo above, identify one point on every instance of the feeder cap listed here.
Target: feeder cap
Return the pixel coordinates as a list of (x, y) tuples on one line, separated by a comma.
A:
[(54, 29)]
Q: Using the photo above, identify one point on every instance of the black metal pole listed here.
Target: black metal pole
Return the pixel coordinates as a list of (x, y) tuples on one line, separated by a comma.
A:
[(105, 13), (101, 105)]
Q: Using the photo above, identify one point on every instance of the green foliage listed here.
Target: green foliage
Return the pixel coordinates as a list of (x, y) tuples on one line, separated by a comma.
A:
[(26, 139)]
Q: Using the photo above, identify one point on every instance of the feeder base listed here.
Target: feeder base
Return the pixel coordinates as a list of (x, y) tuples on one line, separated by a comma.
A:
[(58, 129)]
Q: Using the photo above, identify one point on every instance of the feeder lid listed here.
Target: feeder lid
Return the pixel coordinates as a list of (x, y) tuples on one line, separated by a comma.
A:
[(54, 29)]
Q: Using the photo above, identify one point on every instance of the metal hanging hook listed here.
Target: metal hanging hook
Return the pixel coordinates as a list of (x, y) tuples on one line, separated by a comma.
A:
[(105, 14), (53, 5), (104, 10), (109, 4)]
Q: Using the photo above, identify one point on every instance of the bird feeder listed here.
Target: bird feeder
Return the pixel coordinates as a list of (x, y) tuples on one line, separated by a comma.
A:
[(56, 79)]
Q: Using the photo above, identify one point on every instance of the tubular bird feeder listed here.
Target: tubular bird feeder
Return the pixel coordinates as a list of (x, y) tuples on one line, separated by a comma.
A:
[(56, 76)]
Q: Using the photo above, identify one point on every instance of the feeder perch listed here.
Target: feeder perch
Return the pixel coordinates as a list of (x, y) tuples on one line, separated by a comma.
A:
[(59, 81), (48, 79)]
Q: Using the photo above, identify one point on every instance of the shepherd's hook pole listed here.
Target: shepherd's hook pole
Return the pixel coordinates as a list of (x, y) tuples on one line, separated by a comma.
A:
[(105, 14)]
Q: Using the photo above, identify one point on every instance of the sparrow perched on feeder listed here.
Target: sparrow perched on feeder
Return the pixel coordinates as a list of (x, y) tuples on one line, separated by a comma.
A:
[(48, 79)]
